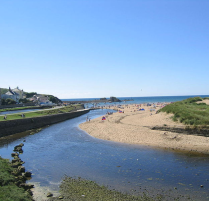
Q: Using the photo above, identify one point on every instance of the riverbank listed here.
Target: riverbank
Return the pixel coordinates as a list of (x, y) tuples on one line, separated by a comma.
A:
[(9, 127), (13, 178), (86, 190), (133, 124)]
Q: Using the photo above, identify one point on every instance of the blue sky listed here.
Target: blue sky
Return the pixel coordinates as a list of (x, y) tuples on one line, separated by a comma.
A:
[(103, 48)]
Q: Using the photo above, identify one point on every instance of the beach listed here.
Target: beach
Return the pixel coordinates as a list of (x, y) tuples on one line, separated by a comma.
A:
[(132, 124)]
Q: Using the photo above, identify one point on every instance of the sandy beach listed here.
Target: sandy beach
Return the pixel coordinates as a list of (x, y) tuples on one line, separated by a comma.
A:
[(133, 126)]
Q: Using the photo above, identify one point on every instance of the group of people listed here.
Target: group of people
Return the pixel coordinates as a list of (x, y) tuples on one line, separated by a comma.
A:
[(88, 119), (22, 115)]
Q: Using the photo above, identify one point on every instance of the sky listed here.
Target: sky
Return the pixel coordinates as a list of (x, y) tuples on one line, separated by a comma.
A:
[(103, 48)]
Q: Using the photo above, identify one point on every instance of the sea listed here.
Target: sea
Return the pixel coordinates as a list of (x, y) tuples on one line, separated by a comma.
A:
[(140, 100)]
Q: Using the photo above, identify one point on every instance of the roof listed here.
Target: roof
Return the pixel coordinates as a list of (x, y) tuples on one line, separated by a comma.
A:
[(10, 93)]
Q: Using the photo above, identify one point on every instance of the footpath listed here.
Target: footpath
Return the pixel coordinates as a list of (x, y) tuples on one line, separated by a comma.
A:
[(11, 127)]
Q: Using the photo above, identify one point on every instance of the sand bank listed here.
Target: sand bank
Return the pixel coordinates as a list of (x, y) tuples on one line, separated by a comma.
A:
[(132, 126)]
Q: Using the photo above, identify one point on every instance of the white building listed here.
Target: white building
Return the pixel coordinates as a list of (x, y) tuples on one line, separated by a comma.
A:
[(42, 100), (20, 92), (11, 94)]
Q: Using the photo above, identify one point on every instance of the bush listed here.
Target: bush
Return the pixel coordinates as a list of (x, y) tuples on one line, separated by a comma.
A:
[(30, 94), (8, 101), (24, 100)]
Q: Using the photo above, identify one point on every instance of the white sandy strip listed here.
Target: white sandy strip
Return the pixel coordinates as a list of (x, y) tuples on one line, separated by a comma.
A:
[(132, 127)]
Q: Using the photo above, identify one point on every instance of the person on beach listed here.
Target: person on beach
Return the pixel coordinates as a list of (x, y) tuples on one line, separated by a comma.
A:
[(87, 118), (5, 116)]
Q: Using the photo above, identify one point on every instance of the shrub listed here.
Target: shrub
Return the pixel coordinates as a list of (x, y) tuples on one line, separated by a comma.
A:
[(189, 112)]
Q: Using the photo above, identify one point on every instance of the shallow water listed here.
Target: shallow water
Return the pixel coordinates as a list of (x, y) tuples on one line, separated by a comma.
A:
[(63, 149)]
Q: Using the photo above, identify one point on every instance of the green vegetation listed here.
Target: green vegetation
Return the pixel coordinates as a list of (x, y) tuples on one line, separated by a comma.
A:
[(43, 112), (18, 108), (80, 189), (4, 90), (189, 111), (29, 94), (8, 190), (8, 101), (25, 100), (54, 99)]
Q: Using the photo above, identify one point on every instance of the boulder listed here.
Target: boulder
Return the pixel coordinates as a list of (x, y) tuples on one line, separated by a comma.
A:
[(21, 168), (27, 174), (49, 194)]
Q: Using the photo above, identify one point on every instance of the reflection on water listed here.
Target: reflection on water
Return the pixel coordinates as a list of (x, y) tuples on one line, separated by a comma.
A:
[(63, 149)]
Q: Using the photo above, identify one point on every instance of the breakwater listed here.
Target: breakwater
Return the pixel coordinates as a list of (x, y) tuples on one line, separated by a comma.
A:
[(20, 125)]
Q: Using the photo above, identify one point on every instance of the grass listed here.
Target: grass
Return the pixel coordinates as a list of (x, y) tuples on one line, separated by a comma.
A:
[(189, 112), (42, 112), (80, 189), (8, 190), (17, 108)]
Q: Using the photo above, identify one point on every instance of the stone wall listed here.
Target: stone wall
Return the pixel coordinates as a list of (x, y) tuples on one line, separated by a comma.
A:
[(20, 125)]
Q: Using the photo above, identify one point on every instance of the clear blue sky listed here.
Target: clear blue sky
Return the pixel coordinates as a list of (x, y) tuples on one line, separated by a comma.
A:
[(103, 48)]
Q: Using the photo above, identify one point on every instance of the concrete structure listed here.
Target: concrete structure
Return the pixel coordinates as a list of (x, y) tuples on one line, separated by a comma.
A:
[(20, 125)]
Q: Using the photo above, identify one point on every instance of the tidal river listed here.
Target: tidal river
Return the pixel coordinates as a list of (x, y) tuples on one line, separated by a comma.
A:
[(64, 149)]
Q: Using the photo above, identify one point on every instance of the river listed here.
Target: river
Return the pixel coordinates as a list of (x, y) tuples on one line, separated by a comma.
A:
[(64, 149)]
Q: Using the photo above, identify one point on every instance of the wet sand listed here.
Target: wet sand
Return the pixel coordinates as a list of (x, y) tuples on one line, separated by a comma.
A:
[(133, 126)]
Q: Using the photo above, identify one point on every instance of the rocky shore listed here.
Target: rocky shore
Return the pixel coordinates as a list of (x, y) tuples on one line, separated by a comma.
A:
[(13, 178)]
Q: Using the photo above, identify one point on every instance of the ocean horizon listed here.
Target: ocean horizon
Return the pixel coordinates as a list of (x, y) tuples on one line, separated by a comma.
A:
[(140, 100)]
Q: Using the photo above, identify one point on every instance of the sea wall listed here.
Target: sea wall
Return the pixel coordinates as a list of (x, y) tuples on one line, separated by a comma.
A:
[(20, 125)]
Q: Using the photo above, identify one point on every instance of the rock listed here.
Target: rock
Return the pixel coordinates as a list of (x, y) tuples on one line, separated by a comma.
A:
[(17, 157), (49, 194), (22, 178), (14, 154), (21, 144), (30, 192), (15, 165), (61, 197), (16, 172), (18, 148), (26, 186), (15, 160), (27, 174), (21, 168)]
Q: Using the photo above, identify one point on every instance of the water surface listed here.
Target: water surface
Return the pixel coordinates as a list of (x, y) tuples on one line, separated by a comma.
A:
[(64, 149)]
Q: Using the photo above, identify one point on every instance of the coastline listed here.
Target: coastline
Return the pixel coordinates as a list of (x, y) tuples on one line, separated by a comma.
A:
[(133, 126)]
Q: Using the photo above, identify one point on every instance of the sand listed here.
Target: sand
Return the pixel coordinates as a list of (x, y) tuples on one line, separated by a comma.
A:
[(134, 127)]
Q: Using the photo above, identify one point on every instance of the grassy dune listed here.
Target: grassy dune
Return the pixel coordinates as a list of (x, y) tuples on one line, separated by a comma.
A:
[(189, 111)]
